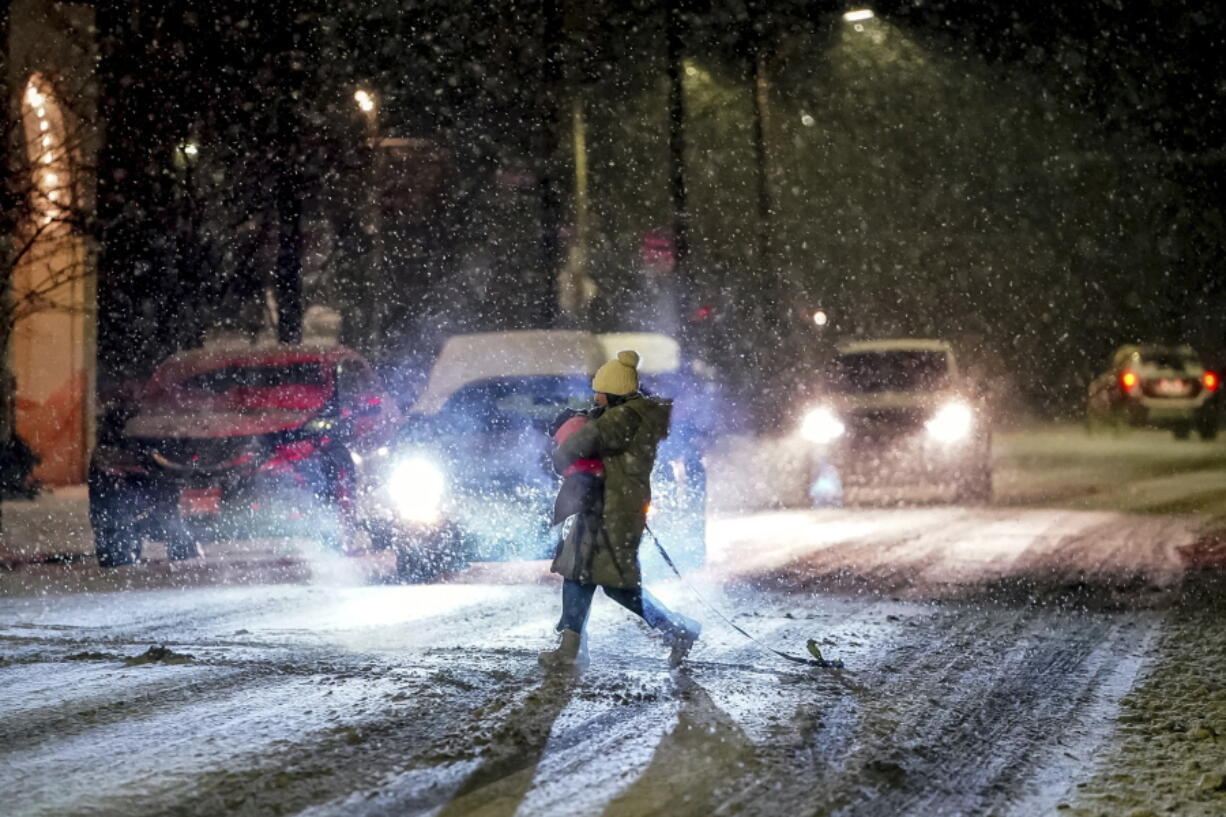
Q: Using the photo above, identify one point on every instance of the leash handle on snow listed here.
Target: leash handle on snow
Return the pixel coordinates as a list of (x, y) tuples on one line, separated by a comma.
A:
[(816, 661)]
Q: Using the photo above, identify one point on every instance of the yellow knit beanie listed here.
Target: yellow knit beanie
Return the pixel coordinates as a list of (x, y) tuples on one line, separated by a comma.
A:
[(618, 376)]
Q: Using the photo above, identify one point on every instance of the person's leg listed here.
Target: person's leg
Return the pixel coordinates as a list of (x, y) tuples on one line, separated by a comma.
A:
[(643, 604), (571, 653), (576, 605), (679, 632)]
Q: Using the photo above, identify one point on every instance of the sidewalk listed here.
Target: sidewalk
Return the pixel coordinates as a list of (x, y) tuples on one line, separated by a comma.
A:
[(53, 525)]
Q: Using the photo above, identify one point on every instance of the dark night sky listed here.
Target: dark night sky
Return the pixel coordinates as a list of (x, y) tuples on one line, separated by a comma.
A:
[(1151, 65)]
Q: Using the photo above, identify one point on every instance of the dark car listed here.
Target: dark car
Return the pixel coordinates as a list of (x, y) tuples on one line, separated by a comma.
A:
[(240, 443), (1156, 386)]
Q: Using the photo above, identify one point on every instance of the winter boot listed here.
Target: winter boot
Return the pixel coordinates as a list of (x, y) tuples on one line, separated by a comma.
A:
[(680, 635), (571, 653)]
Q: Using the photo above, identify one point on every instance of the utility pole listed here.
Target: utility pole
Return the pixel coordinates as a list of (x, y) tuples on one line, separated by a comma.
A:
[(769, 279), (761, 126), (548, 188), (287, 193), (674, 43), (583, 216)]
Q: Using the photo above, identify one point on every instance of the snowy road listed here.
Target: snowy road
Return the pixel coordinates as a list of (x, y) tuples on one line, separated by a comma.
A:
[(988, 654)]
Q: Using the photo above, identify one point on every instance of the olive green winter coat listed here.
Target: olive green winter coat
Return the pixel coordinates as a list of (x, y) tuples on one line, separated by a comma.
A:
[(602, 546)]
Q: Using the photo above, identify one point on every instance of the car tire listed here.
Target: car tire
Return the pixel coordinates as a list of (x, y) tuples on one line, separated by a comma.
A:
[(115, 545), (422, 561), (411, 568), (1183, 431), (414, 566), (181, 542), (117, 537), (338, 524), (1207, 428)]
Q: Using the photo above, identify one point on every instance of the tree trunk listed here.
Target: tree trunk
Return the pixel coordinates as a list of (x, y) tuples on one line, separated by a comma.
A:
[(674, 38), (287, 281), (544, 305), (287, 278), (7, 120)]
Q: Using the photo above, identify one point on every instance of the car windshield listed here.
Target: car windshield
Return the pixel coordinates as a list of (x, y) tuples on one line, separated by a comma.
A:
[(300, 385), (516, 403), (900, 370)]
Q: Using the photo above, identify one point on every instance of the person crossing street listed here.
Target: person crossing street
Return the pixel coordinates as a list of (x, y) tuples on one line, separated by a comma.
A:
[(601, 546)]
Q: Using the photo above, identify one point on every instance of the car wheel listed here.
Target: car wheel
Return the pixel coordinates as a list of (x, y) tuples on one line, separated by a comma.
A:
[(1183, 431), (415, 564), (382, 534), (1207, 428), (115, 544), (181, 542), (338, 523), (337, 529), (411, 568), (117, 537)]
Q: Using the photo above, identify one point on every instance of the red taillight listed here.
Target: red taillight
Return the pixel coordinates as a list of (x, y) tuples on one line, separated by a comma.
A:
[(1210, 381), (1129, 381), (285, 455)]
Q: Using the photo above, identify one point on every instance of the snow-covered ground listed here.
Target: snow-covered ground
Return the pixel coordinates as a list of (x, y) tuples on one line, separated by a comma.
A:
[(990, 654)]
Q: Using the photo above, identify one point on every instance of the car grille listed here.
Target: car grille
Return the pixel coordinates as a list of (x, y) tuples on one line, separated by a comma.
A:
[(200, 453), (886, 422)]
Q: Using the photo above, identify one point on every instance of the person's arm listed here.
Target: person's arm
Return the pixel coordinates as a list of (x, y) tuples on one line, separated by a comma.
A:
[(581, 445), (608, 434)]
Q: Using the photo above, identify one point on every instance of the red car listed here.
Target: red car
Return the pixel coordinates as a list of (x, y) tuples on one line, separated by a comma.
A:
[(236, 444)]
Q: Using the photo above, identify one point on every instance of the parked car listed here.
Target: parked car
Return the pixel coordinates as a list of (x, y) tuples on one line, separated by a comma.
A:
[(237, 443), (900, 412), (471, 477), (1165, 387)]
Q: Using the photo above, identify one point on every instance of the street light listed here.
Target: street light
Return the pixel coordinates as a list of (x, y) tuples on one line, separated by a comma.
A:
[(820, 318), (859, 15), (365, 100)]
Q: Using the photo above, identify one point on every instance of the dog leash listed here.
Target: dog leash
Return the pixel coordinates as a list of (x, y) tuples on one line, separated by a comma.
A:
[(818, 660)]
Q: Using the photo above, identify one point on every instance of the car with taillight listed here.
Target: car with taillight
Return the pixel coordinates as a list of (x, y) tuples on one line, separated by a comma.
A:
[(240, 443), (1156, 386), (898, 412), (471, 477)]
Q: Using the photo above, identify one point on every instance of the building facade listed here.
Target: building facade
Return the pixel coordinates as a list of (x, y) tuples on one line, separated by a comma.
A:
[(52, 348)]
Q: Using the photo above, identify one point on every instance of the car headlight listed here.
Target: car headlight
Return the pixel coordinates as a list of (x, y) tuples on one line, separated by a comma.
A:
[(417, 486), (952, 423), (821, 425)]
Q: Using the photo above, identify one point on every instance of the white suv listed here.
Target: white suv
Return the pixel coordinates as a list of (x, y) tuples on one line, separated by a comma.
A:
[(898, 411), (471, 477)]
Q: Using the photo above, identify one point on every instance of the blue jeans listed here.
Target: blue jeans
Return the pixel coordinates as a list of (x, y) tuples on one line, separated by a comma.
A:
[(577, 603)]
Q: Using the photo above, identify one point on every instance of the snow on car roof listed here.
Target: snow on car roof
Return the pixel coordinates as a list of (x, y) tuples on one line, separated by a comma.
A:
[(895, 345), (485, 355), (658, 354), (189, 362)]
